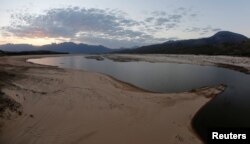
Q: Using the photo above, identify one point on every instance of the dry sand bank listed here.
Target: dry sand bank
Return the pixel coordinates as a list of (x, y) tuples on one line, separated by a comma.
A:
[(241, 64), (61, 106)]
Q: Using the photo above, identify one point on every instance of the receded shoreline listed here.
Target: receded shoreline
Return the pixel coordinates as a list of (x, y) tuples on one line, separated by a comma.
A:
[(241, 64), (113, 99)]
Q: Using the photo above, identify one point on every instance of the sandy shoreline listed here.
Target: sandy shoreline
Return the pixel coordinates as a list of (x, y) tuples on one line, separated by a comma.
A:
[(241, 64), (73, 106)]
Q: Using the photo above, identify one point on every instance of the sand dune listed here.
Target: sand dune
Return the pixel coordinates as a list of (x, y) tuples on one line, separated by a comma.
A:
[(61, 106)]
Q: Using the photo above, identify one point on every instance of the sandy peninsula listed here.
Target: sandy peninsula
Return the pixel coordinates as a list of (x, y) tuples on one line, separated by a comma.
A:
[(241, 64), (49, 105)]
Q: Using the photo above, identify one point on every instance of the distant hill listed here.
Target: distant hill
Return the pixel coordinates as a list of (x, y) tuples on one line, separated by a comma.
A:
[(17, 47), (77, 48), (222, 43), (67, 47)]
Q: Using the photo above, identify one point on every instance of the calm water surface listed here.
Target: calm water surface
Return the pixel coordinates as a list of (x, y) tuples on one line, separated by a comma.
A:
[(229, 109)]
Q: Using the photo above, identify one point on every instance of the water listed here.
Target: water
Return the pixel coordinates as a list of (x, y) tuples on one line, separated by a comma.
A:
[(229, 109)]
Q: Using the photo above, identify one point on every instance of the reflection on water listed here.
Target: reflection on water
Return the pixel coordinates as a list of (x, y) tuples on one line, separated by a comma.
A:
[(231, 108)]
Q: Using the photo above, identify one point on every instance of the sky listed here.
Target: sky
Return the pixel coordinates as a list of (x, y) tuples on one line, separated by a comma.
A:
[(119, 23)]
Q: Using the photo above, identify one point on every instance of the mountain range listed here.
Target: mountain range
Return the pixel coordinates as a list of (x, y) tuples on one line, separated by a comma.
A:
[(222, 43), (66, 47)]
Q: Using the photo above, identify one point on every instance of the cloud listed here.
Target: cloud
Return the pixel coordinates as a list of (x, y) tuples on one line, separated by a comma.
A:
[(119, 42), (161, 21), (158, 13), (202, 31), (166, 21), (80, 24), (149, 19), (193, 15), (109, 27), (67, 22)]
